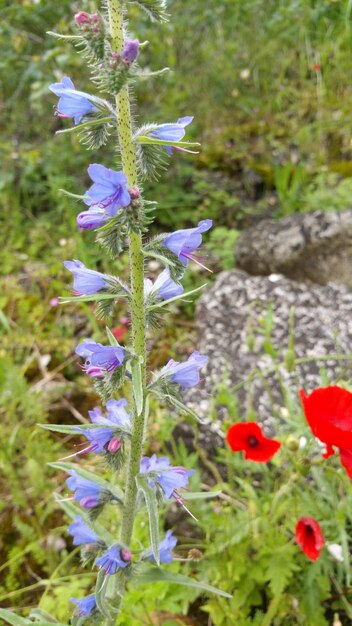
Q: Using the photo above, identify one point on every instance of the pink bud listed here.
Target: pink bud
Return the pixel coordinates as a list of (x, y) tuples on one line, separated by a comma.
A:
[(114, 445), (126, 555), (54, 301), (82, 18), (134, 193)]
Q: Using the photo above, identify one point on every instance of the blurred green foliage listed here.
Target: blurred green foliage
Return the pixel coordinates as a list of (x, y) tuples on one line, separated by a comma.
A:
[(269, 85)]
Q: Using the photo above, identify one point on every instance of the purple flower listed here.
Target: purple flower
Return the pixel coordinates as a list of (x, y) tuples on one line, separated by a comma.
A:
[(85, 606), (113, 559), (88, 220), (163, 288), (71, 103), (107, 438), (81, 533), (85, 281), (183, 242), (105, 197), (87, 493), (165, 549), (168, 478), (131, 50), (185, 374), (172, 132), (100, 359)]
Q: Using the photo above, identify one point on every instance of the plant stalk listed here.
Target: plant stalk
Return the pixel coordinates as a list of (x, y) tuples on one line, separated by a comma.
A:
[(136, 261)]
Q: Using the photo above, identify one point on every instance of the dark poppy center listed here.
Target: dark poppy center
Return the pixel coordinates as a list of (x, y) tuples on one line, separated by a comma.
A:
[(252, 441)]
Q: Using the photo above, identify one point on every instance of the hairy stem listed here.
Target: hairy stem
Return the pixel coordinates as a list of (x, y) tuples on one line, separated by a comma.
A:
[(129, 165)]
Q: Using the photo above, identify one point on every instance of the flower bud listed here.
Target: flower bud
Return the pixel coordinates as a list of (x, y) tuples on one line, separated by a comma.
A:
[(114, 445), (131, 50), (195, 555), (82, 18), (126, 555), (89, 502), (292, 443), (134, 193)]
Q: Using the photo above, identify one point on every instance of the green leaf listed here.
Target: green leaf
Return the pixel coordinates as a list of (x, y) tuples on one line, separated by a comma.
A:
[(112, 340), (100, 590), (153, 514), (13, 619), (163, 142), (137, 385), (40, 615), (59, 36), (96, 122), (95, 297), (176, 402), (200, 495), (155, 574), (163, 303), (183, 407), (61, 428), (159, 257), (69, 467), (155, 9)]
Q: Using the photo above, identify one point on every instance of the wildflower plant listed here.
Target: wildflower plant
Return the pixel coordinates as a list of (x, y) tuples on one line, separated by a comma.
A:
[(116, 209)]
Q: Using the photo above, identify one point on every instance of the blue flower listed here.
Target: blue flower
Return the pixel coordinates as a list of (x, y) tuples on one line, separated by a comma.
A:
[(105, 197), (71, 103), (131, 50), (113, 559), (167, 477), (185, 374), (85, 606), (87, 493), (165, 549), (81, 533), (172, 132), (100, 359), (85, 281), (183, 242), (163, 288), (107, 438)]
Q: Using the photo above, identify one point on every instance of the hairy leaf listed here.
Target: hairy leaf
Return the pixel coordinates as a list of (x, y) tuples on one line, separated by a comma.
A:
[(153, 514), (137, 385), (155, 574), (156, 9)]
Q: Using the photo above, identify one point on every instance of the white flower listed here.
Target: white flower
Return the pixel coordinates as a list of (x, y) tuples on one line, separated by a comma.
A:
[(336, 551), (302, 442), (245, 73)]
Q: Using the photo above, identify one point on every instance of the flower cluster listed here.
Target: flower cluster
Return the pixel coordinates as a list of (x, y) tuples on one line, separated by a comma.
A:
[(114, 207)]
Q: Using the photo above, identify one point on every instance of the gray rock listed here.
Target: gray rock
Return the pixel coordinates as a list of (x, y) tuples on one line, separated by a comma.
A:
[(231, 321), (314, 246)]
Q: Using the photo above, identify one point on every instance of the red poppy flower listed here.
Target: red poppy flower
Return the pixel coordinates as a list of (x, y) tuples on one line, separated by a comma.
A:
[(309, 537), (248, 437), (119, 332), (328, 411)]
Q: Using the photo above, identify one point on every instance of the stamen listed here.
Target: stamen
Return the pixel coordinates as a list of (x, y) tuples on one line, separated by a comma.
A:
[(192, 258)]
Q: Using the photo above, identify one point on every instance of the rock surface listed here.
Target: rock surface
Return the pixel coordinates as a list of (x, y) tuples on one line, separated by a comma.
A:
[(314, 246), (231, 318)]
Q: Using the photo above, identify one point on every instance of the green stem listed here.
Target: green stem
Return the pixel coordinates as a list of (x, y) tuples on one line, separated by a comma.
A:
[(129, 166)]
